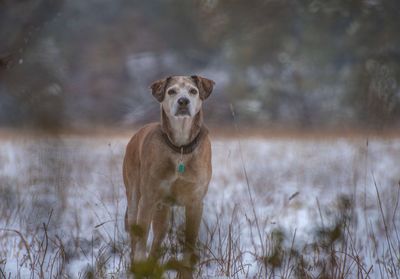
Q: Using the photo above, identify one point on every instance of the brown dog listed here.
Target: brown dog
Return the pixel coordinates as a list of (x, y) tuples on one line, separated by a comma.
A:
[(169, 163)]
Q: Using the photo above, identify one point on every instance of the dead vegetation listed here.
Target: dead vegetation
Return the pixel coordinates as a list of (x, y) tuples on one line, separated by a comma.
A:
[(62, 213)]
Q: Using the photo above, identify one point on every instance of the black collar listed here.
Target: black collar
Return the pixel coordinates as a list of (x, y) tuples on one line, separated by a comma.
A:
[(188, 148)]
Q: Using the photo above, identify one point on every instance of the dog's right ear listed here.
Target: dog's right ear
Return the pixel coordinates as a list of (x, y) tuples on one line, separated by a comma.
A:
[(158, 88)]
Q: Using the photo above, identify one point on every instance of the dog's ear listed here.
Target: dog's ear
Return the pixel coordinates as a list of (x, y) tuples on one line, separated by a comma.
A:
[(158, 88), (204, 85)]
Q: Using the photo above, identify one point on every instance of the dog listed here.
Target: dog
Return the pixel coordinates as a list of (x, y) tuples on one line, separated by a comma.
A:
[(169, 163)]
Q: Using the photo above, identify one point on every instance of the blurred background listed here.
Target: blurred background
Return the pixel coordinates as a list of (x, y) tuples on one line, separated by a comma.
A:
[(307, 64)]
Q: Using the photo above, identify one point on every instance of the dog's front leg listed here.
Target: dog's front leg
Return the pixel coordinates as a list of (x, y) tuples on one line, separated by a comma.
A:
[(160, 227), (193, 214), (145, 212)]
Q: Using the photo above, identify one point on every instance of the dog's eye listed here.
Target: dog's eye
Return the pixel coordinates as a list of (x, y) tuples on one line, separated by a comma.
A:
[(193, 91), (171, 92)]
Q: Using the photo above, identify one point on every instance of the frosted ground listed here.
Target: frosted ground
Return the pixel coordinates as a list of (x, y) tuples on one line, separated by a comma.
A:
[(62, 204)]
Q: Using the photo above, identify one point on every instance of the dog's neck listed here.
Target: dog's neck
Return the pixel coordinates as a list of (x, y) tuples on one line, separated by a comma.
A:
[(181, 131)]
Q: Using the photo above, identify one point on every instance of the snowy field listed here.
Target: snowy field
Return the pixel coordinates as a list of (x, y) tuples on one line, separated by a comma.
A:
[(276, 208)]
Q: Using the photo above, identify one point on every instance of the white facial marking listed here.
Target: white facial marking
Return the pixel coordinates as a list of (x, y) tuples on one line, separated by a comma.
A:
[(181, 117), (181, 88)]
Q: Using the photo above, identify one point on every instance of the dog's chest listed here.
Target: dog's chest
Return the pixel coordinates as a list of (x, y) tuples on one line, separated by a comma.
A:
[(166, 185), (180, 188), (177, 180)]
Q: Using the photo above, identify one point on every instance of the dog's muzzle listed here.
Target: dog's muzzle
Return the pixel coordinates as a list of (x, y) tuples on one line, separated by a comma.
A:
[(183, 107)]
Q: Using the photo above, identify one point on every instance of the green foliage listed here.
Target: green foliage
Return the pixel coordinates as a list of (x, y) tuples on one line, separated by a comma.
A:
[(151, 268), (137, 230), (147, 269)]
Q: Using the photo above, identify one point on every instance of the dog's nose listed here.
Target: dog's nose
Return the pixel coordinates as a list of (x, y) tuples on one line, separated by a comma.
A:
[(183, 101)]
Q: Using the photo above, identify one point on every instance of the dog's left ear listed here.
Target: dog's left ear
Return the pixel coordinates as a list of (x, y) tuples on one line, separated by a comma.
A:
[(158, 88), (204, 85)]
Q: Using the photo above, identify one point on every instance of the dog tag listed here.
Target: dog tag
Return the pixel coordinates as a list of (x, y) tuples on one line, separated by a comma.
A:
[(181, 167)]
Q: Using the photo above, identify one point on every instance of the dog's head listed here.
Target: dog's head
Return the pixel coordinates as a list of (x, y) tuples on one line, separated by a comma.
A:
[(182, 96)]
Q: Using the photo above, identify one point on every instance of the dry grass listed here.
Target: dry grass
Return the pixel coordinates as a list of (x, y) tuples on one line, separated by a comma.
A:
[(62, 206)]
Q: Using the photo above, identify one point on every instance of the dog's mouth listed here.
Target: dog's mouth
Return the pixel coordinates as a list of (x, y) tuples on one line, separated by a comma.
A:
[(182, 112)]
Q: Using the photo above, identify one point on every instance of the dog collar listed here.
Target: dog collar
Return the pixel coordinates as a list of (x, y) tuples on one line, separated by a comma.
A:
[(188, 148)]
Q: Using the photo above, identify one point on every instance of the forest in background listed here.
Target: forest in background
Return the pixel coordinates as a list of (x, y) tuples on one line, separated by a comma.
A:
[(306, 63)]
